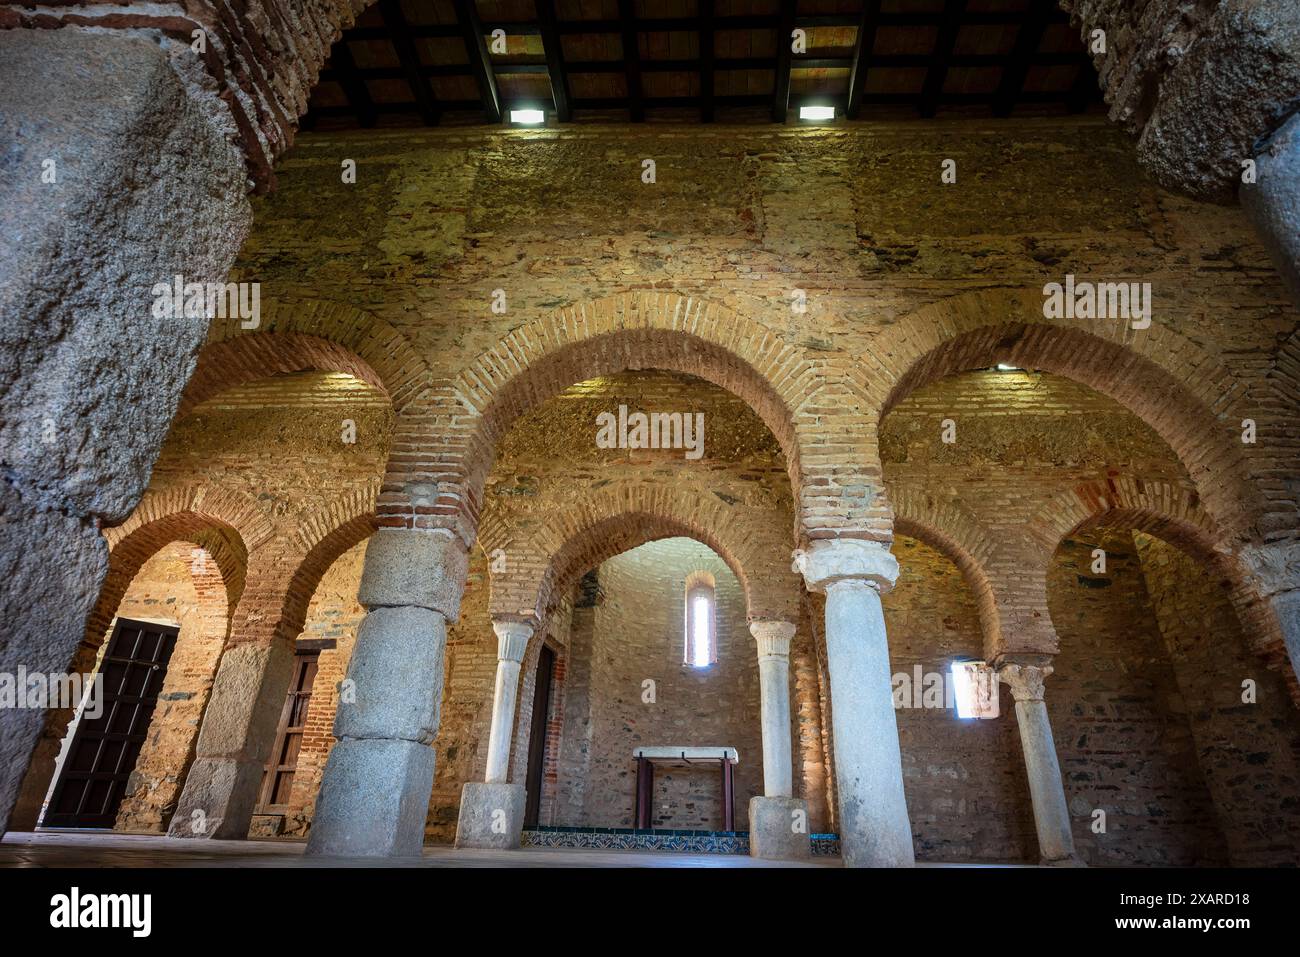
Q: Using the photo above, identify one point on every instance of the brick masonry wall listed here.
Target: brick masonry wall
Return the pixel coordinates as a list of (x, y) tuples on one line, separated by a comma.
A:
[(967, 795), (401, 267), (1249, 753), (637, 636), (1120, 718), (738, 219)]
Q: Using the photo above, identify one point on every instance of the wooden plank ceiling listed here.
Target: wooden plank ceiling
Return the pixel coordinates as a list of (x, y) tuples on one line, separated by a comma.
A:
[(429, 62)]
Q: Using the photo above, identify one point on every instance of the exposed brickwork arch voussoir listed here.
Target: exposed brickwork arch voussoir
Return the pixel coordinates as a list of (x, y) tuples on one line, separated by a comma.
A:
[(318, 335), (541, 358), (543, 563), (1185, 394), (228, 525), (946, 526), (1173, 514)]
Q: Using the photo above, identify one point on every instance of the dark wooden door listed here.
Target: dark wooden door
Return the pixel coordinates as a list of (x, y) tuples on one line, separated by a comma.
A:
[(537, 736), (277, 780), (103, 752)]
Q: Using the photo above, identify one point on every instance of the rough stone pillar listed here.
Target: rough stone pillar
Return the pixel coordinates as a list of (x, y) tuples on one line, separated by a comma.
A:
[(120, 173), (374, 796), (778, 821), (235, 740), (492, 812), (1051, 815), (1273, 202), (873, 824)]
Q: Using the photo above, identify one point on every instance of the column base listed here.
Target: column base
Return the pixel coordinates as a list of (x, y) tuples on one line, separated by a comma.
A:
[(778, 829), (1074, 860), (218, 799), (491, 815), (374, 799)]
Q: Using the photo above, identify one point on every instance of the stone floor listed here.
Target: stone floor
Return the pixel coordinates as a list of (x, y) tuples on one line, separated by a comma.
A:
[(100, 849)]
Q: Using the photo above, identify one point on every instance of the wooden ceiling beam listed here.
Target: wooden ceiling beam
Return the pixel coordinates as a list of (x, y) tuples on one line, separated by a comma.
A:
[(404, 43), (943, 47), (1016, 68), (781, 86), (631, 59), (862, 58), (555, 68), (480, 63)]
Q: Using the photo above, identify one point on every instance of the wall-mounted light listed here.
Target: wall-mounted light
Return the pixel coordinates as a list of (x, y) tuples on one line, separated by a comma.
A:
[(816, 112), (528, 117), (1003, 367)]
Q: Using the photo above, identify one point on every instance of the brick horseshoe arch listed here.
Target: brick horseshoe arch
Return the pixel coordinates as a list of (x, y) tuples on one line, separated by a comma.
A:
[(1173, 514), (1188, 396), (540, 568), (300, 335), (640, 331)]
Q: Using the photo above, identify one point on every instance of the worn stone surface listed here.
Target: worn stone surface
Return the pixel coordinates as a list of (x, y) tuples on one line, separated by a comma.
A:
[(491, 815), (778, 829), (1200, 84), (414, 567), (90, 378), (873, 823), (235, 740), (374, 799), (396, 675), (51, 565), (1273, 201)]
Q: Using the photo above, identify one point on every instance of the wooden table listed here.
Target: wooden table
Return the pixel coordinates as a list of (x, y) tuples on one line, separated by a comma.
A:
[(727, 759)]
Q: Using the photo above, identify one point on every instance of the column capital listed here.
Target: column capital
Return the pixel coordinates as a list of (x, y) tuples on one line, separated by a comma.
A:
[(1025, 680), (512, 639), (772, 637), (829, 561)]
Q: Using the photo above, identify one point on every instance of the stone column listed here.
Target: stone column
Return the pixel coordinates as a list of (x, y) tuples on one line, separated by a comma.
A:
[(1051, 815), (374, 796), (778, 821), (873, 822), (492, 812), (235, 740), (1272, 203), (104, 141)]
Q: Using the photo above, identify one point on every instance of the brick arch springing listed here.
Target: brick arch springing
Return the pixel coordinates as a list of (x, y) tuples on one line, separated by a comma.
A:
[(1185, 394), (644, 330), (541, 564), (284, 573), (1174, 515), (947, 527)]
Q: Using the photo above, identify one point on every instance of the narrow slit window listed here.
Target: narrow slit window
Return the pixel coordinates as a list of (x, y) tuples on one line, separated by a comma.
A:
[(701, 621)]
